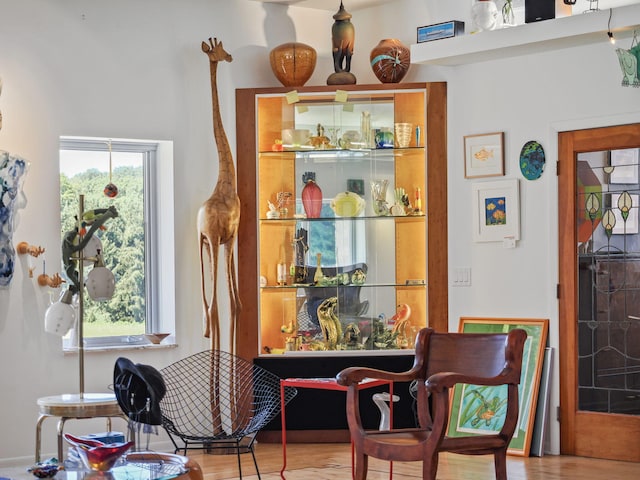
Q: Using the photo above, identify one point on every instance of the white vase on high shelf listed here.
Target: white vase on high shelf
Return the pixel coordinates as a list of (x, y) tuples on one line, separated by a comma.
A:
[(485, 15)]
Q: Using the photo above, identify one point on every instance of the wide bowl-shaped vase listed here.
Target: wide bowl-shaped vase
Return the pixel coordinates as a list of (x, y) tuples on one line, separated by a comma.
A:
[(390, 60), (98, 456), (293, 63)]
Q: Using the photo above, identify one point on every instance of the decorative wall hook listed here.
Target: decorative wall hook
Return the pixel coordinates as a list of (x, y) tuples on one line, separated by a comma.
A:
[(24, 248)]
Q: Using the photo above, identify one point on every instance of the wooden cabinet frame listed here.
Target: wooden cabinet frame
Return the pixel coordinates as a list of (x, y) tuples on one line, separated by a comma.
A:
[(247, 338)]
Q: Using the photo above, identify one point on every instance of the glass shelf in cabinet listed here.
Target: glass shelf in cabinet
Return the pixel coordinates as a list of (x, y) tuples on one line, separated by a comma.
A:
[(408, 283), (344, 152), (399, 218)]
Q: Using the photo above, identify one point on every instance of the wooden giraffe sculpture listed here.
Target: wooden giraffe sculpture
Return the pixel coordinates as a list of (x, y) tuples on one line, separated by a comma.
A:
[(219, 216)]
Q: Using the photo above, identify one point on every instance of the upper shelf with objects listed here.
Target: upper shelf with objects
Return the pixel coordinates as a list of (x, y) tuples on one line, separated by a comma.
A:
[(325, 5), (572, 31)]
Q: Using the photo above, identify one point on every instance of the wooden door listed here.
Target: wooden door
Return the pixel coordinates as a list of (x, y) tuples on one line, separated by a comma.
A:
[(599, 273)]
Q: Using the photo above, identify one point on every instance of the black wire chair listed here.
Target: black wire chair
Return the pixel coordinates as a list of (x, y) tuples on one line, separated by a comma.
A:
[(218, 401)]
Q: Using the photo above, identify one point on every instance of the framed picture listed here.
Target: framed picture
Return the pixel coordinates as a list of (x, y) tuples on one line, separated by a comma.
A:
[(539, 438), (469, 402), (355, 185), (625, 166), (484, 155), (496, 211)]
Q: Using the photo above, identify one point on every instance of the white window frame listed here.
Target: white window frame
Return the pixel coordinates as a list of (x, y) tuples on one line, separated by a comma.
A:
[(159, 236)]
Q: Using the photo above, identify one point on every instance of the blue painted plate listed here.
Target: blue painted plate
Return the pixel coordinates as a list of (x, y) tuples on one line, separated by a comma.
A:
[(532, 160)]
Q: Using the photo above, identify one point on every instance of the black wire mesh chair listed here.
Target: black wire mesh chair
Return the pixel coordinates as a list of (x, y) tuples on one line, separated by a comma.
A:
[(218, 401)]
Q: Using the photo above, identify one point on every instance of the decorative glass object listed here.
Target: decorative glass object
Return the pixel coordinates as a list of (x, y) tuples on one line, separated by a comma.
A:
[(403, 133), (47, 469), (12, 172), (60, 316), (311, 195), (484, 14), (384, 138), (379, 197), (365, 129), (319, 275), (390, 60), (101, 283), (347, 204), (508, 17), (95, 455), (293, 63)]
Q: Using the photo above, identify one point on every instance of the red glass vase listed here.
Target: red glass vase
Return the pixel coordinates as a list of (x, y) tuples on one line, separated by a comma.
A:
[(312, 198)]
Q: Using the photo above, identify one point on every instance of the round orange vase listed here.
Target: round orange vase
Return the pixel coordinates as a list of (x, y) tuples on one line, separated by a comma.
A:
[(293, 63), (390, 60)]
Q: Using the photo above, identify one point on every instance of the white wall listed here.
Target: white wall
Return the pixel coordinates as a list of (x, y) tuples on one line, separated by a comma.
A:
[(531, 97), (117, 69), (135, 69)]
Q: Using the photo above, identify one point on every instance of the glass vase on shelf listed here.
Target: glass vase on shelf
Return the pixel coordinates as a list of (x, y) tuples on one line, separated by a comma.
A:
[(311, 195), (484, 14), (508, 17), (379, 197)]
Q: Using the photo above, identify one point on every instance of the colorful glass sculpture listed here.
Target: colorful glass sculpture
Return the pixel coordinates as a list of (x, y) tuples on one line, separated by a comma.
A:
[(12, 172), (98, 456)]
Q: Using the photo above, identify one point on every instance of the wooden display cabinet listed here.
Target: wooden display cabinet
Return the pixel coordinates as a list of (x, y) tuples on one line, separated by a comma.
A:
[(404, 257)]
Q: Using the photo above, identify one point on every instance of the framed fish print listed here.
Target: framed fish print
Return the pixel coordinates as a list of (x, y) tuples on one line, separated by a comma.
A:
[(484, 155), (496, 211), (480, 409)]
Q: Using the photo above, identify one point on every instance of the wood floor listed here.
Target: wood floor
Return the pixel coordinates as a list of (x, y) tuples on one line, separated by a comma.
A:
[(333, 462)]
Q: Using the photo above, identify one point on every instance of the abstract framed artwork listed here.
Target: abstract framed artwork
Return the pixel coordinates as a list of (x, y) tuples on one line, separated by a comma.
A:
[(496, 211), (480, 409), (484, 155)]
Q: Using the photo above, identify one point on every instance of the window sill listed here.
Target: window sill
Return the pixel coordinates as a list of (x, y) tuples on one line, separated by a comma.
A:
[(113, 348)]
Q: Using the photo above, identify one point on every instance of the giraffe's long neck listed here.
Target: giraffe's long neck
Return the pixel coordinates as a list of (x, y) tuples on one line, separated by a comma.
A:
[(226, 172)]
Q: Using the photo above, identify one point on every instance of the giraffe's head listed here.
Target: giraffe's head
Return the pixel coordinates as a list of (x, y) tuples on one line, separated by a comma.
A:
[(216, 51)]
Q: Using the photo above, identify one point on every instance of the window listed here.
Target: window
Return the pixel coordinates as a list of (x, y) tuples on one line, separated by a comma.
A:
[(133, 243)]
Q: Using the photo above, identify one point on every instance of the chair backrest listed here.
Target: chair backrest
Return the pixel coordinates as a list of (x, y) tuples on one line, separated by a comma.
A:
[(471, 354), (217, 394)]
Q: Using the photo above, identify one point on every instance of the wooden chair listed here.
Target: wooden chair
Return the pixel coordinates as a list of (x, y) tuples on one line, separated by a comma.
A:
[(442, 360)]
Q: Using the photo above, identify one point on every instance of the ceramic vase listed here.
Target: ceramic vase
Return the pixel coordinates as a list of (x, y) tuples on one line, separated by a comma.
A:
[(390, 60), (293, 63), (485, 14), (311, 195)]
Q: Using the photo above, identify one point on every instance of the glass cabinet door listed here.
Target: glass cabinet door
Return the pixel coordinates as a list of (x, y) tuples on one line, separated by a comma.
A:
[(342, 229)]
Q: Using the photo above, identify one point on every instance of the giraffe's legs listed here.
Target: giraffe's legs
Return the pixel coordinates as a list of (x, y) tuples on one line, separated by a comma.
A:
[(234, 295), (214, 319), (204, 244)]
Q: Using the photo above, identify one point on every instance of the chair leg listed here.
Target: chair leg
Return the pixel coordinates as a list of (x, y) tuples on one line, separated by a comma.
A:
[(500, 461), (362, 465), (430, 467), (255, 462), (239, 462)]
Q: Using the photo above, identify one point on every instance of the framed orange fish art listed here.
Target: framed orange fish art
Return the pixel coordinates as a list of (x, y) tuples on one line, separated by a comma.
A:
[(484, 155)]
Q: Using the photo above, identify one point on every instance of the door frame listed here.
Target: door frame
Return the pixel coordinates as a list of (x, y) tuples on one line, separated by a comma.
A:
[(589, 434)]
